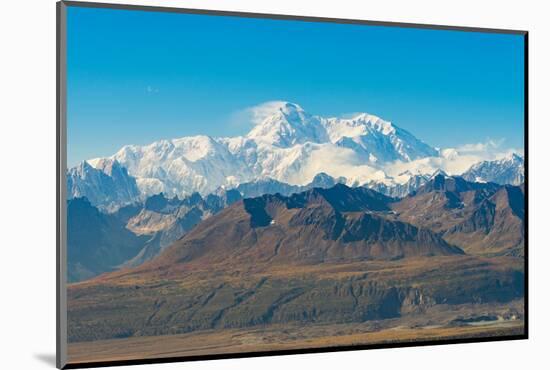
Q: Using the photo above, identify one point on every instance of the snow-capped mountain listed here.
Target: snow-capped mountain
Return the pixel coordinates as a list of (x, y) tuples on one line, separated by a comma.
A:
[(106, 184), (183, 166), (508, 170), (288, 125), (288, 146), (399, 190), (376, 140)]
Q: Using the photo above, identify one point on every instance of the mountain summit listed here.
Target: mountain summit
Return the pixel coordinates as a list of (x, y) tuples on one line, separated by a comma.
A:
[(288, 125)]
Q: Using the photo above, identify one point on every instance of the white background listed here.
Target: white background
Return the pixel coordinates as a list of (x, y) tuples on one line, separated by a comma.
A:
[(27, 181)]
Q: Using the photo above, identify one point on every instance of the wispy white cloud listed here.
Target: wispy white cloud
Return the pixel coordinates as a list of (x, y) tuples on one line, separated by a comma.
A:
[(151, 90), (336, 162), (453, 161), (260, 112), (490, 145), (251, 116)]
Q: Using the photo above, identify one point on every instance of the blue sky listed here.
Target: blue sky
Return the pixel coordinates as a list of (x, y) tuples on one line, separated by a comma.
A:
[(135, 77)]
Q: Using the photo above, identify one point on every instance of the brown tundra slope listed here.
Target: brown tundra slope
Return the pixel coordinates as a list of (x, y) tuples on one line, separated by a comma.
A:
[(318, 226), (325, 256), (486, 219)]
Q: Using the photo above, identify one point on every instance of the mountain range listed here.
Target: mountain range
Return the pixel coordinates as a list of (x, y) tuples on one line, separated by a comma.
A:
[(332, 256), (106, 184), (285, 151), (99, 242), (481, 218), (445, 216), (316, 226), (289, 146), (444, 213), (507, 170)]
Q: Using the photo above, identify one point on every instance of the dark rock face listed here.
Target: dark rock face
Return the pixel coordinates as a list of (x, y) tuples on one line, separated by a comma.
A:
[(216, 203), (156, 203)]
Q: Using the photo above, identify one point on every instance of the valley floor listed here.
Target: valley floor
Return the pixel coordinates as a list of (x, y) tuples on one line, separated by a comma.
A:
[(410, 328)]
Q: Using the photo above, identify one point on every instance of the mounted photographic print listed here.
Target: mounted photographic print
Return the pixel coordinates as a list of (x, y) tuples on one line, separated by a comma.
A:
[(236, 184)]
